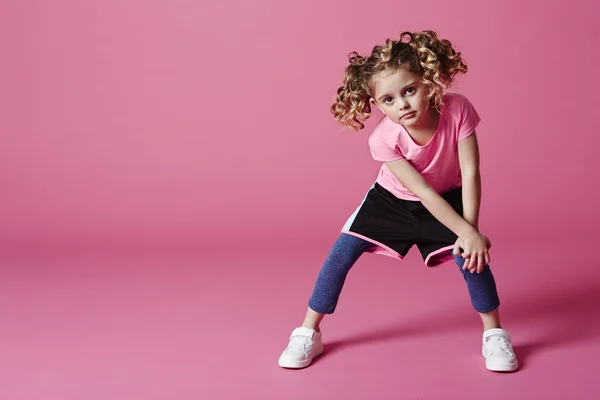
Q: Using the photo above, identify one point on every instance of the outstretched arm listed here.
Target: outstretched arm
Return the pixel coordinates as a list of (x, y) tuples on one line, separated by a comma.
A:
[(468, 155), (437, 206), (474, 244)]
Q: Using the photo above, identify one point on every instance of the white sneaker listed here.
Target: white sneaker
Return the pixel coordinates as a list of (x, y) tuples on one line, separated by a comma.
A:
[(305, 344), (498, 352)]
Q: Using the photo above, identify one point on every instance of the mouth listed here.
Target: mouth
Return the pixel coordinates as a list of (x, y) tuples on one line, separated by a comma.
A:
[(408, 115)]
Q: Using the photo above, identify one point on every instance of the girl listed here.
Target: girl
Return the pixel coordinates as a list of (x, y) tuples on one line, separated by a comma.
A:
[(428, 189)]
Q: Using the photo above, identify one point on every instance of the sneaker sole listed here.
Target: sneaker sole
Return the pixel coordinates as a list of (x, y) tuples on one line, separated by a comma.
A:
[(298, 364), (501, 367)]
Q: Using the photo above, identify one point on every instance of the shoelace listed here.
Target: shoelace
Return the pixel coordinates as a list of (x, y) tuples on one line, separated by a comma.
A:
[(304, 342), (499, 343)]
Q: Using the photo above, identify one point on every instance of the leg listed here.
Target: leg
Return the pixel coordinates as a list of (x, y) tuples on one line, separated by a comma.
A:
[(483, 293), (490, 320), (313, 319), (306, 342), (496, 348), (342, 256)]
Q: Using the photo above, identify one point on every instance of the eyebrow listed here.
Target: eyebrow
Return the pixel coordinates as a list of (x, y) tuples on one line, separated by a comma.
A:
[(387, 94)]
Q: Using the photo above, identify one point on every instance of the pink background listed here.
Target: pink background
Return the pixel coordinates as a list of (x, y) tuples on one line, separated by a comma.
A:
[(180, 124), (203, 128)]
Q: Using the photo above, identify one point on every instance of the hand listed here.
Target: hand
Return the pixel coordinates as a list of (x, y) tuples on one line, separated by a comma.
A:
[(475, 251)]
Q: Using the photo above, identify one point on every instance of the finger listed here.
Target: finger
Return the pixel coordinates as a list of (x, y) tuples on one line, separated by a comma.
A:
[(487, 258), (476, 263), (473, 262), (456, 249), (474, 266), (481, 263), (466, 264)]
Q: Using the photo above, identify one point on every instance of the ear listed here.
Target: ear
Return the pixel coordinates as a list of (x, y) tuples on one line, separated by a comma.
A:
[(374, 103)]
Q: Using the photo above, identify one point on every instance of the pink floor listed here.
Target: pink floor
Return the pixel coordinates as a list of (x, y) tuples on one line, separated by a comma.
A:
[(189, 326)]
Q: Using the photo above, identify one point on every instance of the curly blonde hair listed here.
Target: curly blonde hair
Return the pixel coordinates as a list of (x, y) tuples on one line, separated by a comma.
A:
[(424, 54)]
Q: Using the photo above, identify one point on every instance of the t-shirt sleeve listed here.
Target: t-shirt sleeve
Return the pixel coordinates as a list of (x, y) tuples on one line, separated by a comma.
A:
[(383, 151), (469, 119)]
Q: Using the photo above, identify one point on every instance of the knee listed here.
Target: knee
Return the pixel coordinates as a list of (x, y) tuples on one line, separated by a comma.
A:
[(460, 261)]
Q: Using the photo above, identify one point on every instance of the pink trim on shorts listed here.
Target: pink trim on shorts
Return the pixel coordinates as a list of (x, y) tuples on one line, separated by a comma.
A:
[(379, 248), (439, 258)]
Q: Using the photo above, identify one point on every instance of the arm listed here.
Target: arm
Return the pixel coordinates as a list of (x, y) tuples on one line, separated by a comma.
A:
[(474, 244), (437, 206), (468, 155)]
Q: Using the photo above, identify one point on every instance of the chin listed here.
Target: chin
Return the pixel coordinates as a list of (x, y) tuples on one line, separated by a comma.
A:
[(415, 121)]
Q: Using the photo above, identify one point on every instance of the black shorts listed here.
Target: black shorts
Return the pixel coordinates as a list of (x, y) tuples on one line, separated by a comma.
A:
[(394, 225)]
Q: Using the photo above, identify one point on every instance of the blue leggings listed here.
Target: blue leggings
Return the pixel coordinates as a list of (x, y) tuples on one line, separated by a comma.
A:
[(346, 251)]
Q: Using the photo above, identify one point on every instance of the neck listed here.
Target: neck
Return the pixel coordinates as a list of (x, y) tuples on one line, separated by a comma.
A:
[(428, 126)]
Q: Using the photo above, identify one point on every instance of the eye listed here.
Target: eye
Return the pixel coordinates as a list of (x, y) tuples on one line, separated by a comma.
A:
[(386, 99), (410, 90)]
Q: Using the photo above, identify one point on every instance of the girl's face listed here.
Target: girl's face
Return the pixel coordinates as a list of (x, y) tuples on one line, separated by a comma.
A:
[(401, 96)]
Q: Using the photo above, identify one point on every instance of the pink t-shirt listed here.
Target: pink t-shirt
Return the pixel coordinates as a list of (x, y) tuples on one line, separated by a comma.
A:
[(437, 161)]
